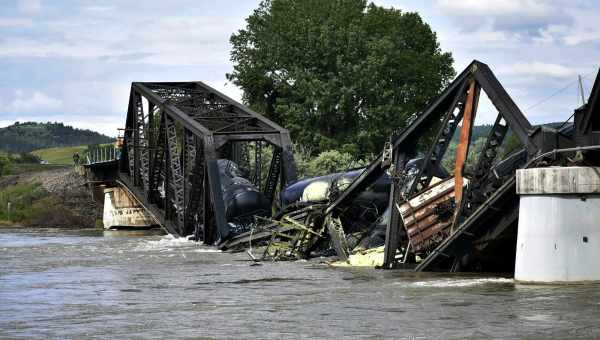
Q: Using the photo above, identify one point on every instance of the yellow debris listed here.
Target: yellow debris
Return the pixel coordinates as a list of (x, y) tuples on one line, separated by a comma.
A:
[(367, 258)]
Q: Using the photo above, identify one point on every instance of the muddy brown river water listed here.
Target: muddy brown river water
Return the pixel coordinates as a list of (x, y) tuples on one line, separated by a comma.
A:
[(76, 284)]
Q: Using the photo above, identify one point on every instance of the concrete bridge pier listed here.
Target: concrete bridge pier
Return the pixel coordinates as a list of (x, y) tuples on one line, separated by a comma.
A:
[(123, 211), (559, 225)]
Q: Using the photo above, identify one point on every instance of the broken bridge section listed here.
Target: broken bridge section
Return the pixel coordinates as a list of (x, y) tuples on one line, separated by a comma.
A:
[(480, 212), (175, 132)]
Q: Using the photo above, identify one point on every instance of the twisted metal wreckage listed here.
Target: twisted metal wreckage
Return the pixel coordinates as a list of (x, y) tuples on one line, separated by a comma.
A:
[(197, 160)]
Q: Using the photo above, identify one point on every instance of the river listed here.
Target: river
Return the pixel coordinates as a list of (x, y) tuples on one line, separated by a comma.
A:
[(75, 284)]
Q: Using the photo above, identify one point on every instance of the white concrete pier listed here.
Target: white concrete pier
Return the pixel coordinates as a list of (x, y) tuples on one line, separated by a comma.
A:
[(559, 225), (122, 210)]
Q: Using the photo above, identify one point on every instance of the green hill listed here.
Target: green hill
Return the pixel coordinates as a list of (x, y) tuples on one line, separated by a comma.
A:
[(29, 136)]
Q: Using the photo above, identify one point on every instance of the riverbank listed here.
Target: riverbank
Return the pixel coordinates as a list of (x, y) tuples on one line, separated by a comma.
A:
[(56, 197)]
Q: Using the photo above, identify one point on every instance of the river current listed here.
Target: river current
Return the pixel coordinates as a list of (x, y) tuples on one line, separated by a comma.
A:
[(75, 284)]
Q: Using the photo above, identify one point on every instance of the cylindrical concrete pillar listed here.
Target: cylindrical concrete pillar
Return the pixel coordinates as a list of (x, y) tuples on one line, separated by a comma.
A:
[(559, 224)]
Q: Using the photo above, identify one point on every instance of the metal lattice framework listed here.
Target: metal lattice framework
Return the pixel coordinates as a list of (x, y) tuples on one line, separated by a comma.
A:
[(174, 135), (487, 207)]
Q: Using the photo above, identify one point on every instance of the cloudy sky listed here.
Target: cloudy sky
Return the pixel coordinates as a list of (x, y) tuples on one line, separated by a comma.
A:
[(73, 61)]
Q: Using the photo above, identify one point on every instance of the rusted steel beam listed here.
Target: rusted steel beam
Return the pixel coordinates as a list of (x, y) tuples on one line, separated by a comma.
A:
[(462, 240), (423, 220), (462, 150)]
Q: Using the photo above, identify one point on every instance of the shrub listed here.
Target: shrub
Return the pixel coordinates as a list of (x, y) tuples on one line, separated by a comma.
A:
[(332, 161), (21, 196), (33, 206), (302, 158)]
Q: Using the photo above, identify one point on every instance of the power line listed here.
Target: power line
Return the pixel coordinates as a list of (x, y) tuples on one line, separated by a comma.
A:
[(557, 92), (552, 95)]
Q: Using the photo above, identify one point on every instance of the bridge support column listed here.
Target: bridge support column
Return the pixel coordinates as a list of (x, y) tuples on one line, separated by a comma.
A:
[(558, 234)]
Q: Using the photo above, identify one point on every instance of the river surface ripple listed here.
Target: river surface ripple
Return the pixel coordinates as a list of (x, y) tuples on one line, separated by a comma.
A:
[(93, 284)]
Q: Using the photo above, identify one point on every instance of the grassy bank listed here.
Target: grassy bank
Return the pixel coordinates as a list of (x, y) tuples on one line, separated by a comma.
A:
[(33, 206), (59, 156), (16, 164)]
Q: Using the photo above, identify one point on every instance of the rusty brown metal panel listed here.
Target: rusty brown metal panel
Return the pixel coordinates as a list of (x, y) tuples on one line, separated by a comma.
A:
[(462, 150), (420, 214), (428, 215)]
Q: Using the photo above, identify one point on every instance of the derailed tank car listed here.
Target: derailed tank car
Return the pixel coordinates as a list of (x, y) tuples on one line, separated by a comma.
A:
[(243, 200)]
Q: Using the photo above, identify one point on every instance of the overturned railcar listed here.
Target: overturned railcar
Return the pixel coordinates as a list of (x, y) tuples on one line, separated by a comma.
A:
[(242, 199)]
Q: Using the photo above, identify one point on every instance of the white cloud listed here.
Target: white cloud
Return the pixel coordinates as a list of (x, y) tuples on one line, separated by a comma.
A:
[(30, 6), (583, 30), (37, 101), (27, 48), (109, 128), (15, 22), (497, 7), (586, 29), (539, 69), (526, 16), (201, 40), (580, 37), (99, 9), (534, 47)]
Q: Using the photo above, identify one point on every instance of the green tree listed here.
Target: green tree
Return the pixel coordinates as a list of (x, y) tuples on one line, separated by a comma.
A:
[(332, 161), (339, 73)]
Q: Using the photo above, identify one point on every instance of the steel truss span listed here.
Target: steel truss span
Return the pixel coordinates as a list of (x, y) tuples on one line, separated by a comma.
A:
[(486, 206), (175, 133)]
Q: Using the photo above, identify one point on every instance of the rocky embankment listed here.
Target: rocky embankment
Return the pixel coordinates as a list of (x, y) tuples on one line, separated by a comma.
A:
[(61, 199)]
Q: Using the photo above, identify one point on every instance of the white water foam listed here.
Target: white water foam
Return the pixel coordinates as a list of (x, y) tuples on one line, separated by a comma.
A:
[(207, 250), (170, 243), (459, 282)]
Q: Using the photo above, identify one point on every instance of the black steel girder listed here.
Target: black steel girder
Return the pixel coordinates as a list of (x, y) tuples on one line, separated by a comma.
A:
[(175, 133)]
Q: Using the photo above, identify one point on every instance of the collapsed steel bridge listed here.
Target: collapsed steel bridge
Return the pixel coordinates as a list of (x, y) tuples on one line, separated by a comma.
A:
[(466, 221), (175, 132), (483, 222), (454, 230)]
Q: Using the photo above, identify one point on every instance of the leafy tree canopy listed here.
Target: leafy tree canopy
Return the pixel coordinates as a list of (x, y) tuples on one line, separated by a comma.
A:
[(339, 74)]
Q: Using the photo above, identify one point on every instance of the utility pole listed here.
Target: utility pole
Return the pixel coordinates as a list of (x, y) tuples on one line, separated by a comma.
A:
[(581, 89)]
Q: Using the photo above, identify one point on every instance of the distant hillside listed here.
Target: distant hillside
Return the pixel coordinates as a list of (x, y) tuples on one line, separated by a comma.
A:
[(482, 131), (29, 136)]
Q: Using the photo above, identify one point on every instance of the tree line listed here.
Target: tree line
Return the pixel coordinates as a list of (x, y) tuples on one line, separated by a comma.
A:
[(29, 136)]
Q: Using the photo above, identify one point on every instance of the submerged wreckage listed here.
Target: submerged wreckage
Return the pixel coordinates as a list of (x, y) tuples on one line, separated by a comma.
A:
[(207, 166)]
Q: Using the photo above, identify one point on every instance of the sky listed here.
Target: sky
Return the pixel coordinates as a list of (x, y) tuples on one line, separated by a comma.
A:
[(74, 61)]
